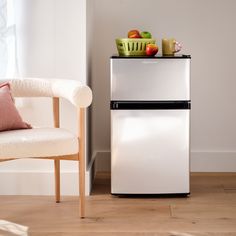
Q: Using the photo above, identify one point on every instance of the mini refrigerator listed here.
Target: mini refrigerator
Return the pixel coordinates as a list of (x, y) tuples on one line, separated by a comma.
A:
[(150, 125)]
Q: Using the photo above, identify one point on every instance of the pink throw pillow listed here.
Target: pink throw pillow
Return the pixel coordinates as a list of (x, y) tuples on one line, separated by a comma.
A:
[(10, 118)]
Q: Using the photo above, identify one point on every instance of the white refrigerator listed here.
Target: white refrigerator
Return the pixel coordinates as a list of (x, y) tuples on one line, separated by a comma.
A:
[(150, 125)]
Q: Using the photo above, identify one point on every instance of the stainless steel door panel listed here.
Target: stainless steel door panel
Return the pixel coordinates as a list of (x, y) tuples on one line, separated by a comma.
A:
[(150, 79), (150, 151)]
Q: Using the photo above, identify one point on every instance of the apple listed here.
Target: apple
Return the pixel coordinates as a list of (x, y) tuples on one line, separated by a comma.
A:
[(134, 34), (151, 49), (146, 35)]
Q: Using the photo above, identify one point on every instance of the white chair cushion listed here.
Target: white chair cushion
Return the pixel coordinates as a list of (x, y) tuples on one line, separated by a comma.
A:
[(37, 142)]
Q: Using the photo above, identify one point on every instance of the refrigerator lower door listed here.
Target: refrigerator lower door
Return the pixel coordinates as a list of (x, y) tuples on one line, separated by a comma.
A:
[(150, 151)]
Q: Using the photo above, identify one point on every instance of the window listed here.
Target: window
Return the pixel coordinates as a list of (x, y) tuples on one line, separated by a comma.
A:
[(8, 57)]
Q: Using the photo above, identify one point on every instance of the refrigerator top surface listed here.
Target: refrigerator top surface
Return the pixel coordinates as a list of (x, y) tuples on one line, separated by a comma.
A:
[(158, 56)]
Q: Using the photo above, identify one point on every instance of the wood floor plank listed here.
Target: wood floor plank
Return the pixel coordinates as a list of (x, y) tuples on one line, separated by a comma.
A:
[(209, 211), (203, 211), (229, 182), (173, 233)]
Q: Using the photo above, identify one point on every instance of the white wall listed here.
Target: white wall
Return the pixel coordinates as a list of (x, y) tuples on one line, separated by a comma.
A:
[(51, 43), (207, 31)]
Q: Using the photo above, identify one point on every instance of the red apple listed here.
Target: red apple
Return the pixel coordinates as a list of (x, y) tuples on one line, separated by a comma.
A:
[(151, 49), (134, 34)]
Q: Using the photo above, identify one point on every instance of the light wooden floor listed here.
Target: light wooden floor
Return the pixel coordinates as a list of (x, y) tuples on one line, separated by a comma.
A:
[(209, 211)]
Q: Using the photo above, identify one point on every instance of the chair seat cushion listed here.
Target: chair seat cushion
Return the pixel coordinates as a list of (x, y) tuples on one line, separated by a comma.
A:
[(37, 142)]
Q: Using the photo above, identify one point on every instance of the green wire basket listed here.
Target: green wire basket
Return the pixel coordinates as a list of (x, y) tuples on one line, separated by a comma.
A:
[(133, 47)]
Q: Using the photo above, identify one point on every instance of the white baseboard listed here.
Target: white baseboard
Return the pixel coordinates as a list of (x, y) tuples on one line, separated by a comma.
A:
[(24, 182), (41, 183), (209, 161), (212, 161), (103, 161)]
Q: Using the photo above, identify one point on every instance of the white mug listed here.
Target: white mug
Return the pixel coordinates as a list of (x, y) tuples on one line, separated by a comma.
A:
[(170, 47)]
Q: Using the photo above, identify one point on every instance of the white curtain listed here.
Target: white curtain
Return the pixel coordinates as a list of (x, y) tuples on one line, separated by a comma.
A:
[(8, 57)]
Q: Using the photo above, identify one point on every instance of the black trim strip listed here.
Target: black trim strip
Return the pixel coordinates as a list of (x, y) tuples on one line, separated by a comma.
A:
[(151, 195), (149, 105)]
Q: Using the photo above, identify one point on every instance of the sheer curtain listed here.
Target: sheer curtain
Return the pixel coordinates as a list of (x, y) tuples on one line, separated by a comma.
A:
[(8, 57)]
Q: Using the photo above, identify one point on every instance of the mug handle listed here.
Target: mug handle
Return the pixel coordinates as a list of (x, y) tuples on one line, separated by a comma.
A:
[(177, 47)]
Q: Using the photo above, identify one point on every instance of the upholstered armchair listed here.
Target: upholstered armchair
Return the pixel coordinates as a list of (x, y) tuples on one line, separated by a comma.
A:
[(50, 143)]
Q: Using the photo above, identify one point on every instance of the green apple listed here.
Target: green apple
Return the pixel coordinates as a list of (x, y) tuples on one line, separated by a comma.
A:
[(146, 35)]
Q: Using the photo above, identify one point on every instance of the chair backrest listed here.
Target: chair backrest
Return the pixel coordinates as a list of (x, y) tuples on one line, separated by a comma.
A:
[(74, 91)]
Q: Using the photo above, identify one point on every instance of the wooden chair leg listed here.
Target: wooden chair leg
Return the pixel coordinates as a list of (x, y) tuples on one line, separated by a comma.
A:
[(57, 179), (56, 117), (82, 189), (82, 164)]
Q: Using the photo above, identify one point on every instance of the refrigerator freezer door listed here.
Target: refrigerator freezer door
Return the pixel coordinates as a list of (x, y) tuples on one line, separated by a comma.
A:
[(150, 79), (150, 151)]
